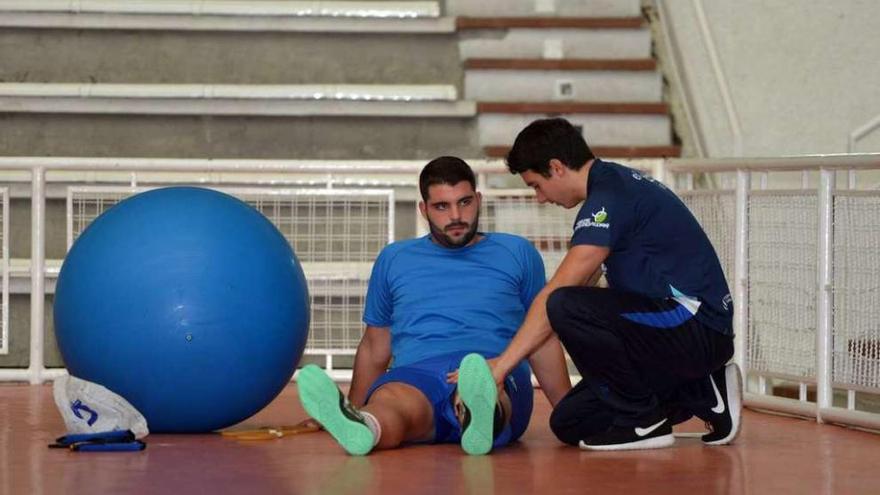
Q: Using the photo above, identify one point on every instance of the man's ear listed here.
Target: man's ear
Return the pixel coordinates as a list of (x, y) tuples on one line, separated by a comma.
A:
[(557, 167), (423, 210)]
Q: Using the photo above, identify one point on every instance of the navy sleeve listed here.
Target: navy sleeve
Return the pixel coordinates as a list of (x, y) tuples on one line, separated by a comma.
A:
[(600, 221)]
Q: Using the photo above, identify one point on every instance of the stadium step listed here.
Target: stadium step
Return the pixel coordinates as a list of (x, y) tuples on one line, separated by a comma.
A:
[(598, 72), (547, 8)]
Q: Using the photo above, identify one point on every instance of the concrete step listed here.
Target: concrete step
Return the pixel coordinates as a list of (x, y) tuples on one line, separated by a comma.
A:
[(230, 99), (569, 64), (528, 8), (227, 15), (467, 23), (219, 57), (550, 85), (572, 107), (599, 129), (556, 43), (253, 8), (185, 136)]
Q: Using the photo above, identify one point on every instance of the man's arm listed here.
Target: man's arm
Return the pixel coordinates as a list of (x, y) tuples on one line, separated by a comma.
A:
[(370, 361), (577, 268), (548, 364)]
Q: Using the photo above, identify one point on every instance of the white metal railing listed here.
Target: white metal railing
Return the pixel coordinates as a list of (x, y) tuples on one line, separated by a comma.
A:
[(4, 265), (784, 289), (37, 169), (860, 132), (842, 357)]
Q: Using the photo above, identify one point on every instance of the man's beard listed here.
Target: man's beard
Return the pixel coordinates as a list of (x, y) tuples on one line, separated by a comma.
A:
[(440, 236)]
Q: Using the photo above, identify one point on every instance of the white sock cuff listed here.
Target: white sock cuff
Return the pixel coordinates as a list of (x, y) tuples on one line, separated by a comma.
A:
[(373, 425)]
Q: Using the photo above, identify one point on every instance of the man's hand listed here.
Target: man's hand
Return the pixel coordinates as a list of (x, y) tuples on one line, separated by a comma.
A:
[(452, 377)]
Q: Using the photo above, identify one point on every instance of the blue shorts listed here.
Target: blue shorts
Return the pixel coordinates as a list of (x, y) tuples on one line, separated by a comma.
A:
[(429, 376)]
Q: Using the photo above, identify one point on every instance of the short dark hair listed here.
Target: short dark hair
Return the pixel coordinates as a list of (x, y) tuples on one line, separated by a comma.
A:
[(544, 140), (445, 170)]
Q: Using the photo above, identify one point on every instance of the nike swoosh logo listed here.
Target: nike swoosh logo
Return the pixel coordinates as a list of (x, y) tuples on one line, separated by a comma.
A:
[(719, 407), (644, 431)]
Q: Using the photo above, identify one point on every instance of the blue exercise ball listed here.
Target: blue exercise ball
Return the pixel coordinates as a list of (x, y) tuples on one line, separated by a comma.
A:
[(188, 303)]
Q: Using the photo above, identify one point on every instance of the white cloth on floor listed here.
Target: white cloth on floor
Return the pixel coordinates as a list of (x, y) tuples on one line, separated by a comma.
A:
[(91, 408)]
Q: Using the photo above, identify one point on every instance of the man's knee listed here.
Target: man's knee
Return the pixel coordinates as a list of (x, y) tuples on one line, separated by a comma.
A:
[(557, 308), (561, 426), (572, 424)]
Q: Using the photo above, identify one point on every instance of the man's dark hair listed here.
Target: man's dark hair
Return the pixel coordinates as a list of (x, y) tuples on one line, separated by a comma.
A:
[(445, 170), (545, 139)]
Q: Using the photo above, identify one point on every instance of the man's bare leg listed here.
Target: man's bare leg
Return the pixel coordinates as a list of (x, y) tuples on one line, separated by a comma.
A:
[(404, 413), (396, 413)]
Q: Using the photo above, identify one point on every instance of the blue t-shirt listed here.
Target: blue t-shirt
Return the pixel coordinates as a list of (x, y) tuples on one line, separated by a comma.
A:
[(438, 300), (657, 247)]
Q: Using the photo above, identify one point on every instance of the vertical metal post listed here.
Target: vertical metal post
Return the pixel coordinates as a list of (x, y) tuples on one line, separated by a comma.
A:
[(482, 180), (660, 172), (38, 262), (4, 279), (392, 204), (825, 282), (741, 269), (421, 225)]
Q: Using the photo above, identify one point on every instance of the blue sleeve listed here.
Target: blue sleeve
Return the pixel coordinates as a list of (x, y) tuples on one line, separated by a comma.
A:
[(534, 277), (378, 308), (600, 221)]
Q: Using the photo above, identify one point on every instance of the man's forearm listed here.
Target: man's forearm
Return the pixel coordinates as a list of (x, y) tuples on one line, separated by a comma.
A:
[(534, 331)]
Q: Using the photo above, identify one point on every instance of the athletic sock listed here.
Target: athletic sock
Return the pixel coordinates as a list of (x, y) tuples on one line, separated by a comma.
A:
[(374, 426)]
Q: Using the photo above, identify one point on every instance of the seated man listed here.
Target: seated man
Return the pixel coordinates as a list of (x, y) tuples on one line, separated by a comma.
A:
[(436, 304)]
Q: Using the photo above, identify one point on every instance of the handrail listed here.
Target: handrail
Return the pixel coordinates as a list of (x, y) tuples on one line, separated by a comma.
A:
[(678, 70), (785, 163), (720, 78), (231, 165), (861, 132)]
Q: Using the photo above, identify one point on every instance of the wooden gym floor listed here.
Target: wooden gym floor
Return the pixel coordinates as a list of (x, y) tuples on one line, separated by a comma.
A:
[(773, 455)]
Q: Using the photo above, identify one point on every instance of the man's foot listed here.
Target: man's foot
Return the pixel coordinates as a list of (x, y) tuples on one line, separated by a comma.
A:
[(479, 394), (725, 418), (655, 435), (324, 402)]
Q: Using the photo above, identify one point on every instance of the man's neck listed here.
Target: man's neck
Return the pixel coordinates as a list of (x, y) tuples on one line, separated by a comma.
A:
[(583, 183)]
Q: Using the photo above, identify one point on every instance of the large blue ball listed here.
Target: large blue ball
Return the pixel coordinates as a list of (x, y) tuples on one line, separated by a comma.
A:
[(187, 302)]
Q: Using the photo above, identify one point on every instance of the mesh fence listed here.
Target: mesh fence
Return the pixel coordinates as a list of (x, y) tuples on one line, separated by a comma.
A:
[(347, 226), (548, 227), (337, 308), (856, 309), (336, 236), (716, 212), (782, 259)]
